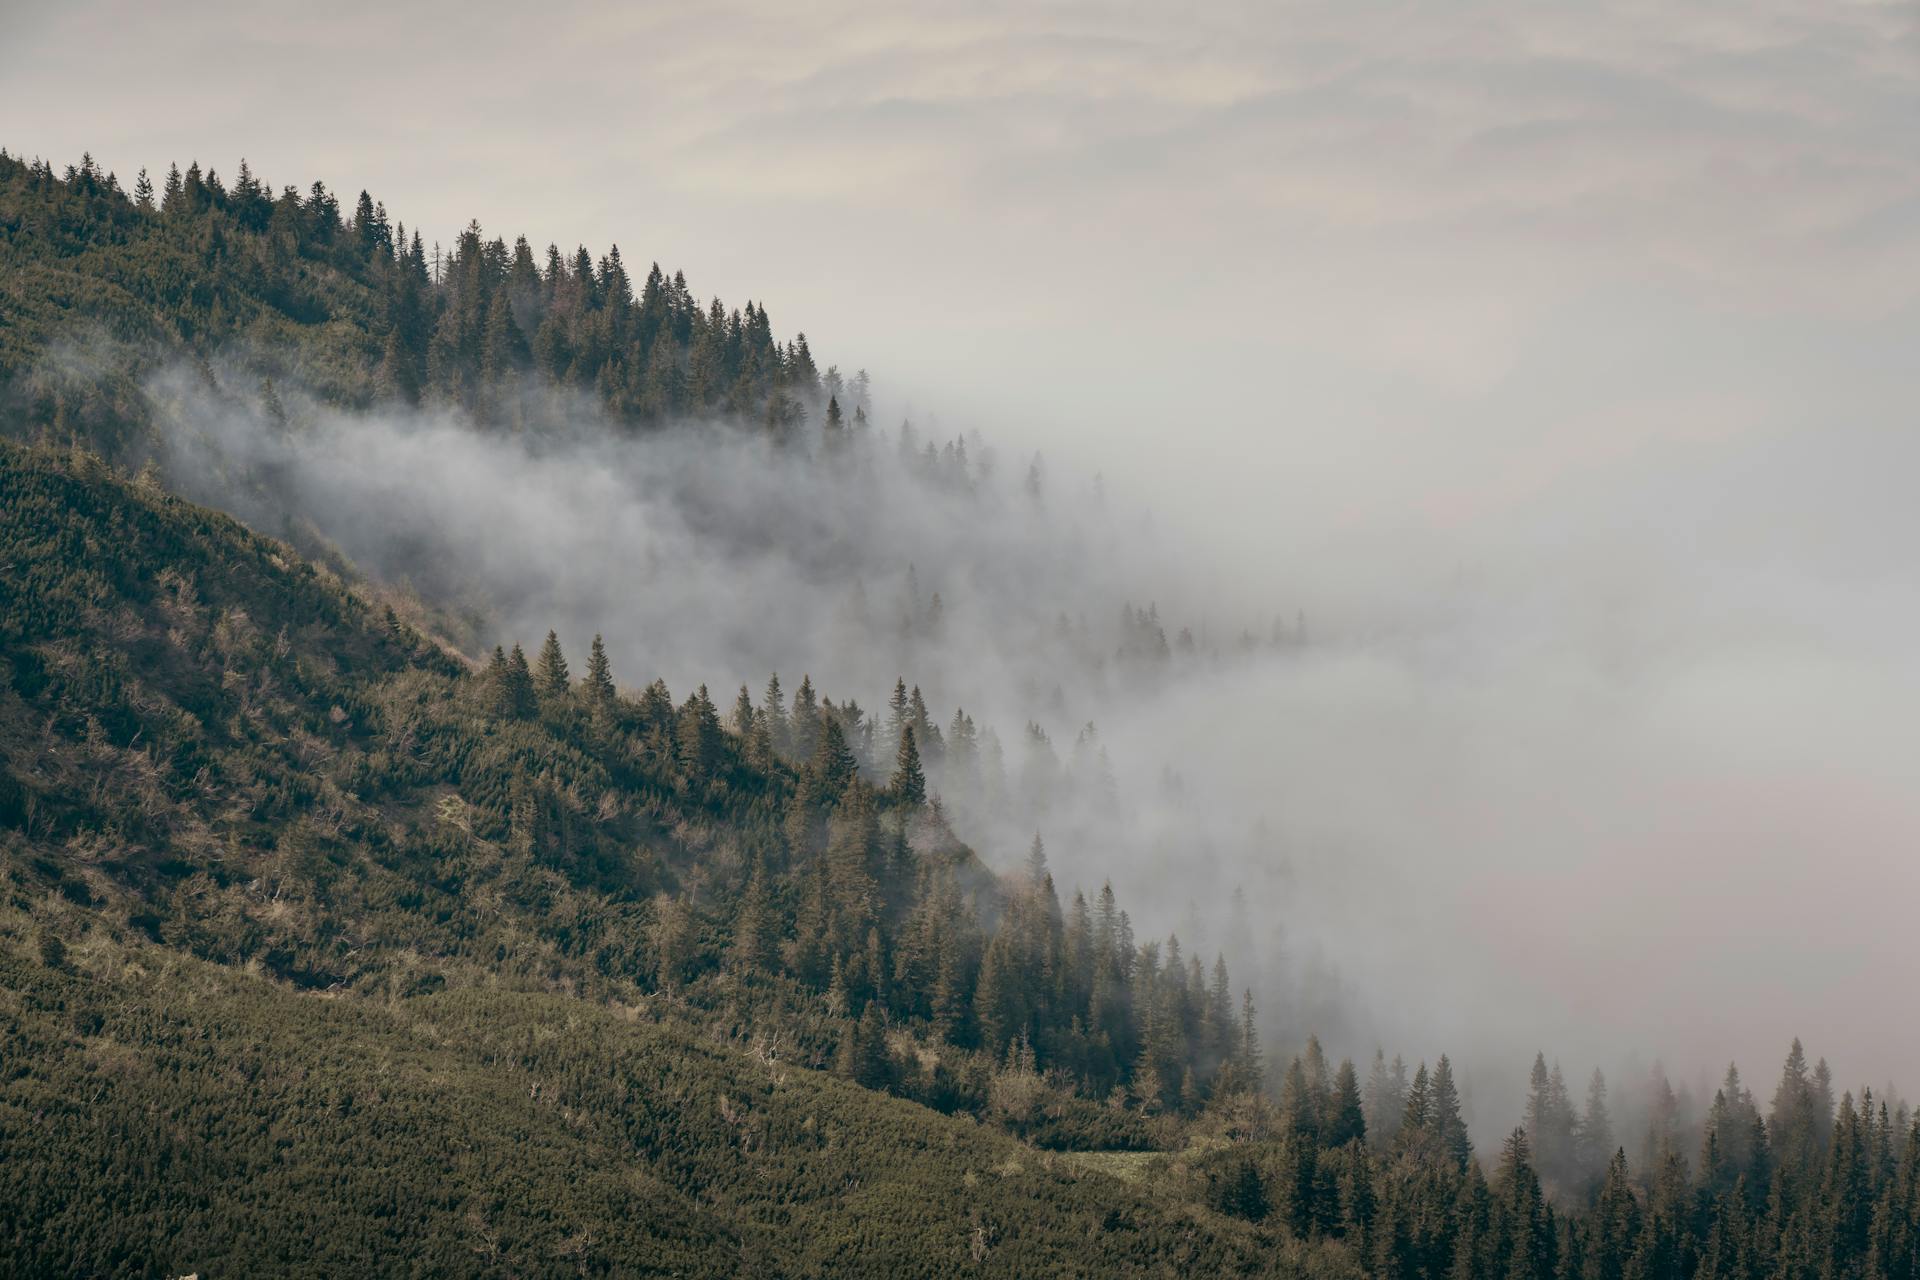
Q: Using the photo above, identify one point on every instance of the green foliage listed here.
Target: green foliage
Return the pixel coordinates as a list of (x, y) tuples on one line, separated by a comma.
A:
[(163, 1116), (100, 287), (325, 948)]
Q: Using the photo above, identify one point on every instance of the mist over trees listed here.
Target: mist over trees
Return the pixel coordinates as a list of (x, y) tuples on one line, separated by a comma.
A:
[(478, 767), (522, 497)]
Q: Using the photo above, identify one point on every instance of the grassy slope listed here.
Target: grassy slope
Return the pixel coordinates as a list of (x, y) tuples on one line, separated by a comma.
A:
[(218, 776), (159, 1114)]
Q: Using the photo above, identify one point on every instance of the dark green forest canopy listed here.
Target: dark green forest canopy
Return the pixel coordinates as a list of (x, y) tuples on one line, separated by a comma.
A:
[(301, 908), (99, 285)]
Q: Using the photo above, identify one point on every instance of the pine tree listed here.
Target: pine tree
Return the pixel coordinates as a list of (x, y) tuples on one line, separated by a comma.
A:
[(1522, 1226), (554, 679), (1416, 1121), (495, 683), (835, 425), (1449, 1129), (1237, 1189), (773, 715), (742, 720), (873, 1065), (897, 712), (1594, 1143), (1319, 1084), (1036, 868), (398, 377), (1614, 1223), (752, 949), (510, 683), (599, 680), (804, 723), (909, 784), (1250, 1065), (832, 768), (1345, 1121), (1792, 1121), (697, 735), (1385, 1100), (503, 349)]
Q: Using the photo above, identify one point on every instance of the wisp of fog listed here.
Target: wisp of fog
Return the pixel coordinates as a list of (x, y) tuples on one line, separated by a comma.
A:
[(1483, 813)]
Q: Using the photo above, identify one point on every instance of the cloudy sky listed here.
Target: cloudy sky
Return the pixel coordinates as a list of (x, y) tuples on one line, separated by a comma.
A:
[(1560, 358)]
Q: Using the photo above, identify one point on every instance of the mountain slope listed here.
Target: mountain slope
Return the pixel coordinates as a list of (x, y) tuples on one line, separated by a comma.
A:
[(325, 949), (228, 780), (161, 1115)]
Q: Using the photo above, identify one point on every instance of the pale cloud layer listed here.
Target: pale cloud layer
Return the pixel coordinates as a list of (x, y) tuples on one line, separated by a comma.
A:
[(1559, 359)]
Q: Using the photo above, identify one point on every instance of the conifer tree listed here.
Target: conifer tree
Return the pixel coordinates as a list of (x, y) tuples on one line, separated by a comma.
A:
[(834, 426), (504, 348), (1037, 861), (553, 678), (1301, 1110), (832, 768), (873, 1066), (1522, 1226), (499, 697), (1345, 1121), (897, 711), (1594, 1138), (1449, 1128), (599, 680), (398, 376), (804, 722), (1250, 1067), (1416, 1121), (697, 735), (909, 784), (773, 715), (515, 685), (1385, 1100), (752, 948)]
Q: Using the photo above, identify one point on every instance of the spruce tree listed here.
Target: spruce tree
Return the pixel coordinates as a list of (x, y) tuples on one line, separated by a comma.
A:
[(1449, 1128), (599, 680), (697, 735), (1037, 861), (742, 720), (773, 715), (398, 376), (1345, 1121), (804, 722), (554, 679), (1593, 1141), (1385, 1100), (909, 784), (832, 768), (503, 349), (1250, 1066), (1416, 1120), (752, 948), (520, 699), (873, 1065), (897, 711)]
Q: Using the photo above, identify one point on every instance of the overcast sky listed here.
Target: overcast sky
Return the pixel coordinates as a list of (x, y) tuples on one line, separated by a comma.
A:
[(1560, 357)]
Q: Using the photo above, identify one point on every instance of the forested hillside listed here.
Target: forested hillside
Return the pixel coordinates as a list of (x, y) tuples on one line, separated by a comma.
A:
[(355, 308), (296, 891)]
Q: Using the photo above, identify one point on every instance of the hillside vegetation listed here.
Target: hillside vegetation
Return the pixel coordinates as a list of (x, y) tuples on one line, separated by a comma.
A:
[(329, 949)]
